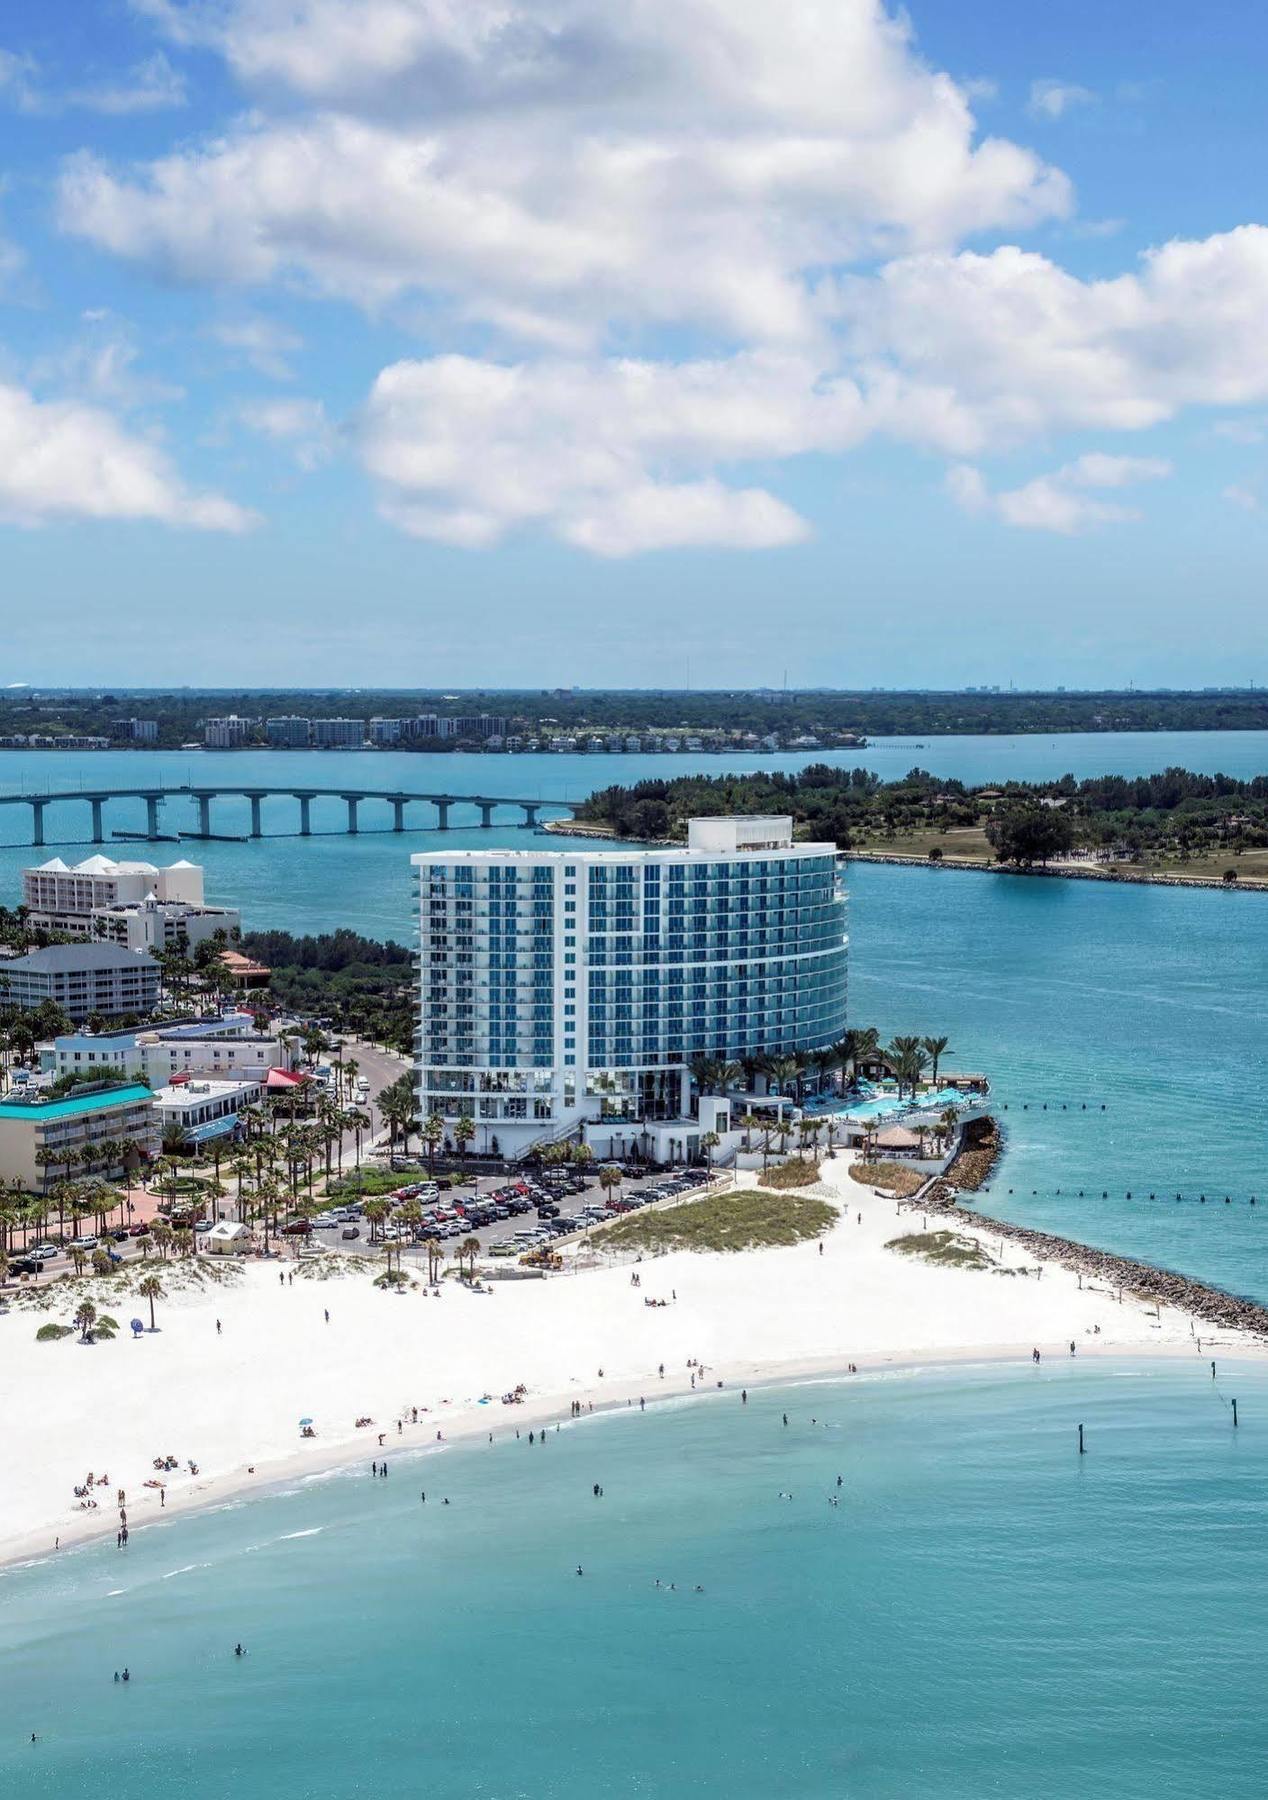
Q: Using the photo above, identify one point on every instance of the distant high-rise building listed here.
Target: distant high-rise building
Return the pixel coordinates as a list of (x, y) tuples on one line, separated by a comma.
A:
[(339, 734), (138, 731), (387, 731), (227, 733), (288, 732)]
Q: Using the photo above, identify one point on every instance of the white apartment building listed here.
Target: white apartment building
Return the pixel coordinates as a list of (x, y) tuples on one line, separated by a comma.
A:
[(339, 734), (220, 1048), (135, 904), (569, 990), (227, 733), (288, 732)]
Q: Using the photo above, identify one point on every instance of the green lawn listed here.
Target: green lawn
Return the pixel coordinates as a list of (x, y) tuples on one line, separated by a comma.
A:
[(746, 1219)]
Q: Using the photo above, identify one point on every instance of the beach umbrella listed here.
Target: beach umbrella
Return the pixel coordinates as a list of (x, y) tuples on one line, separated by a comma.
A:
[(138, 1326), (305, 1421)]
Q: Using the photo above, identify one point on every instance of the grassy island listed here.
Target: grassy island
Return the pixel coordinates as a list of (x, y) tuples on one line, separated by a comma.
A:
[(1175, 825)]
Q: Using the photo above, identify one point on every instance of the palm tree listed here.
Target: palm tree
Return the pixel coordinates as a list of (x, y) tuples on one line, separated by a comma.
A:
[(376, 1211), (865, 1042), (433, 1132), (470, 1248), (463, 1132), (85, 1318), (709, 1143), (897, 1053), (937, 1048), (783, 1072), (409, 1213), (609, 1178), (150, 1288)]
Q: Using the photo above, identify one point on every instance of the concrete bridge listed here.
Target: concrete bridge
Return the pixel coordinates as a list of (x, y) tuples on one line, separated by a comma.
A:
[(201, 799)]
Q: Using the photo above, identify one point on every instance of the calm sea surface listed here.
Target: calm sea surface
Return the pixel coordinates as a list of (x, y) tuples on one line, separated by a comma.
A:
[(984, 1612)]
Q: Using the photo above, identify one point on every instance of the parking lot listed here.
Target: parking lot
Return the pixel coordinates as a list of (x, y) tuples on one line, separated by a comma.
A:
[(508, 1215)]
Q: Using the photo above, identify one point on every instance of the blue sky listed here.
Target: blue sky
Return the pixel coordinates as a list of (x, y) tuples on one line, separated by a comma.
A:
[(393, 341)]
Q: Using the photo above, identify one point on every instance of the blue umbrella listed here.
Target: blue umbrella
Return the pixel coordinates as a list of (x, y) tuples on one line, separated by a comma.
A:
[(138, 1326), (305, 1421)]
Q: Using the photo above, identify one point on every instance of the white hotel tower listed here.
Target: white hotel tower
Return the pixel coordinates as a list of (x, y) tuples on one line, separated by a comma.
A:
[(568, 991)]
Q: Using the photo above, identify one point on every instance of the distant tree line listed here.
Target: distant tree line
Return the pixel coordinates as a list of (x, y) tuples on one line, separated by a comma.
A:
[(932, 713), (1175, 813)]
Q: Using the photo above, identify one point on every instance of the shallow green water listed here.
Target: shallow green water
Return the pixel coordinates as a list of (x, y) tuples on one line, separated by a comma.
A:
[(984, 1613)]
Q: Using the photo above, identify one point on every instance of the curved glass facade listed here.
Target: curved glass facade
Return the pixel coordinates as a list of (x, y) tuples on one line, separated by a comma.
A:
[(574, 984)]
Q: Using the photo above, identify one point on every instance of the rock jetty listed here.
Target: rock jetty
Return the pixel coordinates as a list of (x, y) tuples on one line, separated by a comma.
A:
[(1144, 1280)]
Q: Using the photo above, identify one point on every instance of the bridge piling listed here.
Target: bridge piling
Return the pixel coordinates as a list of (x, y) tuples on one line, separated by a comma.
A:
[(257, 829), (398, 815), (37, 821), (98, 832), (530, 815), (204, 814), (486, 814), (152, 816), (305, 814), (353, 800), (442, 815)]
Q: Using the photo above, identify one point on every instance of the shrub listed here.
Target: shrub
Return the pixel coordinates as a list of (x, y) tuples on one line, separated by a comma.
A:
[(895, 1178), (797, 1172), (49, 1334)]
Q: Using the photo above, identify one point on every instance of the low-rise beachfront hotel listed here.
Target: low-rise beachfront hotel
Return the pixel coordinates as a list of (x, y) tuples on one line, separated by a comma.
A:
[(568, 991)]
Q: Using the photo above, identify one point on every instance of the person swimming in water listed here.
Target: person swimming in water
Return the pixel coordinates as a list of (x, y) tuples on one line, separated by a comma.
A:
[(238, 1650)]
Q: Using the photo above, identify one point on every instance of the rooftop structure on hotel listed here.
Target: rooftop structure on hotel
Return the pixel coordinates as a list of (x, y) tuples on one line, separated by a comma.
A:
[(135, 904), (564, 990)]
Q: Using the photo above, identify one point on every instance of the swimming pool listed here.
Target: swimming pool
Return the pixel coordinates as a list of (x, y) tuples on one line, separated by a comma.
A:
[(884, 1106)]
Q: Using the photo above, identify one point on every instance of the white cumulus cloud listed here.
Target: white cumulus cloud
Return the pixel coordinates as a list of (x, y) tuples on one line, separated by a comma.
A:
[(1064, 501), (62, 459), (563, 168), (615, 457)]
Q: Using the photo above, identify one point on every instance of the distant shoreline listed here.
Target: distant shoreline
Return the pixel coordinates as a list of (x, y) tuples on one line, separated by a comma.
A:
[(588, 829), (1064, 873)]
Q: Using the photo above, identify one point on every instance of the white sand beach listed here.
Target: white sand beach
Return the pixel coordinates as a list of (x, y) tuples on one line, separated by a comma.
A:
[(232, 1401)]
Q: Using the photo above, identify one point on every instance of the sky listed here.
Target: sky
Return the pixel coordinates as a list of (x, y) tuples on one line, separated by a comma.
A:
[(680, 342)]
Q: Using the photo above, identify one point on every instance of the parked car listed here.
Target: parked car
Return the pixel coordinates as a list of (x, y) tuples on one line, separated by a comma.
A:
[(349, 1231)]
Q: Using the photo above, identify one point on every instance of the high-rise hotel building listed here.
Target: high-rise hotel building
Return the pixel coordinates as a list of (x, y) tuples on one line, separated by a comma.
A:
[(575, 987)]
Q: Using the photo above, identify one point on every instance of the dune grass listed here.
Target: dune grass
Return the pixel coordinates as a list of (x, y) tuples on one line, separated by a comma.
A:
[(797, 1172), (746, 1219), (894, 1177), (945, 1249)]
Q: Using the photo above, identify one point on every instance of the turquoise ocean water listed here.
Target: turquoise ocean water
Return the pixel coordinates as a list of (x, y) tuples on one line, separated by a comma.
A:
[(984, 1613)]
